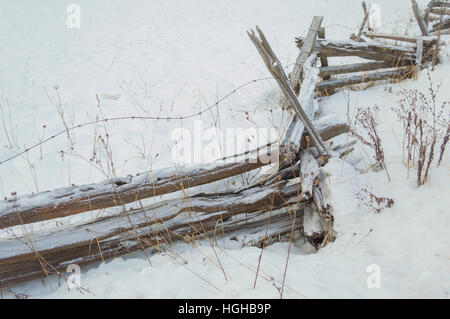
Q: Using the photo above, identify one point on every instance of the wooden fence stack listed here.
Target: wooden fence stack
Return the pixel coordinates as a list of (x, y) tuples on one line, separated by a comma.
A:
[(436, 12), (389, 56)]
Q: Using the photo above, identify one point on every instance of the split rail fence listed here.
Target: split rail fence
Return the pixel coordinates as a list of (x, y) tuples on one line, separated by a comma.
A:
[(269, 209)]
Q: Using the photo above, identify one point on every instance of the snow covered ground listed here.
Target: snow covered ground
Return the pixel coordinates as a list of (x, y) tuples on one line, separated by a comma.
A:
[(173, 58)]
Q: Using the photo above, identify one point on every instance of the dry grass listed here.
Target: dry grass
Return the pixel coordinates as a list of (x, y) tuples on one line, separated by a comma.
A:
[(365, 129), (426, 127)]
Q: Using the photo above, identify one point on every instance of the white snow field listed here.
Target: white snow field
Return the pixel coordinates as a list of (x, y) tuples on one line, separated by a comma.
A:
[(173, 58)]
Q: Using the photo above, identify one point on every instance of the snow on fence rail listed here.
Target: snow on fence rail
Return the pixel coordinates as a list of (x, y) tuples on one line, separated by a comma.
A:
[(114, 192), (267, 209)]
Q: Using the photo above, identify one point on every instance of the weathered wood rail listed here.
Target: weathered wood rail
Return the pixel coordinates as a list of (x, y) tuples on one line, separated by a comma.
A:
[(397, 74), (119, 191), (397, 55)]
